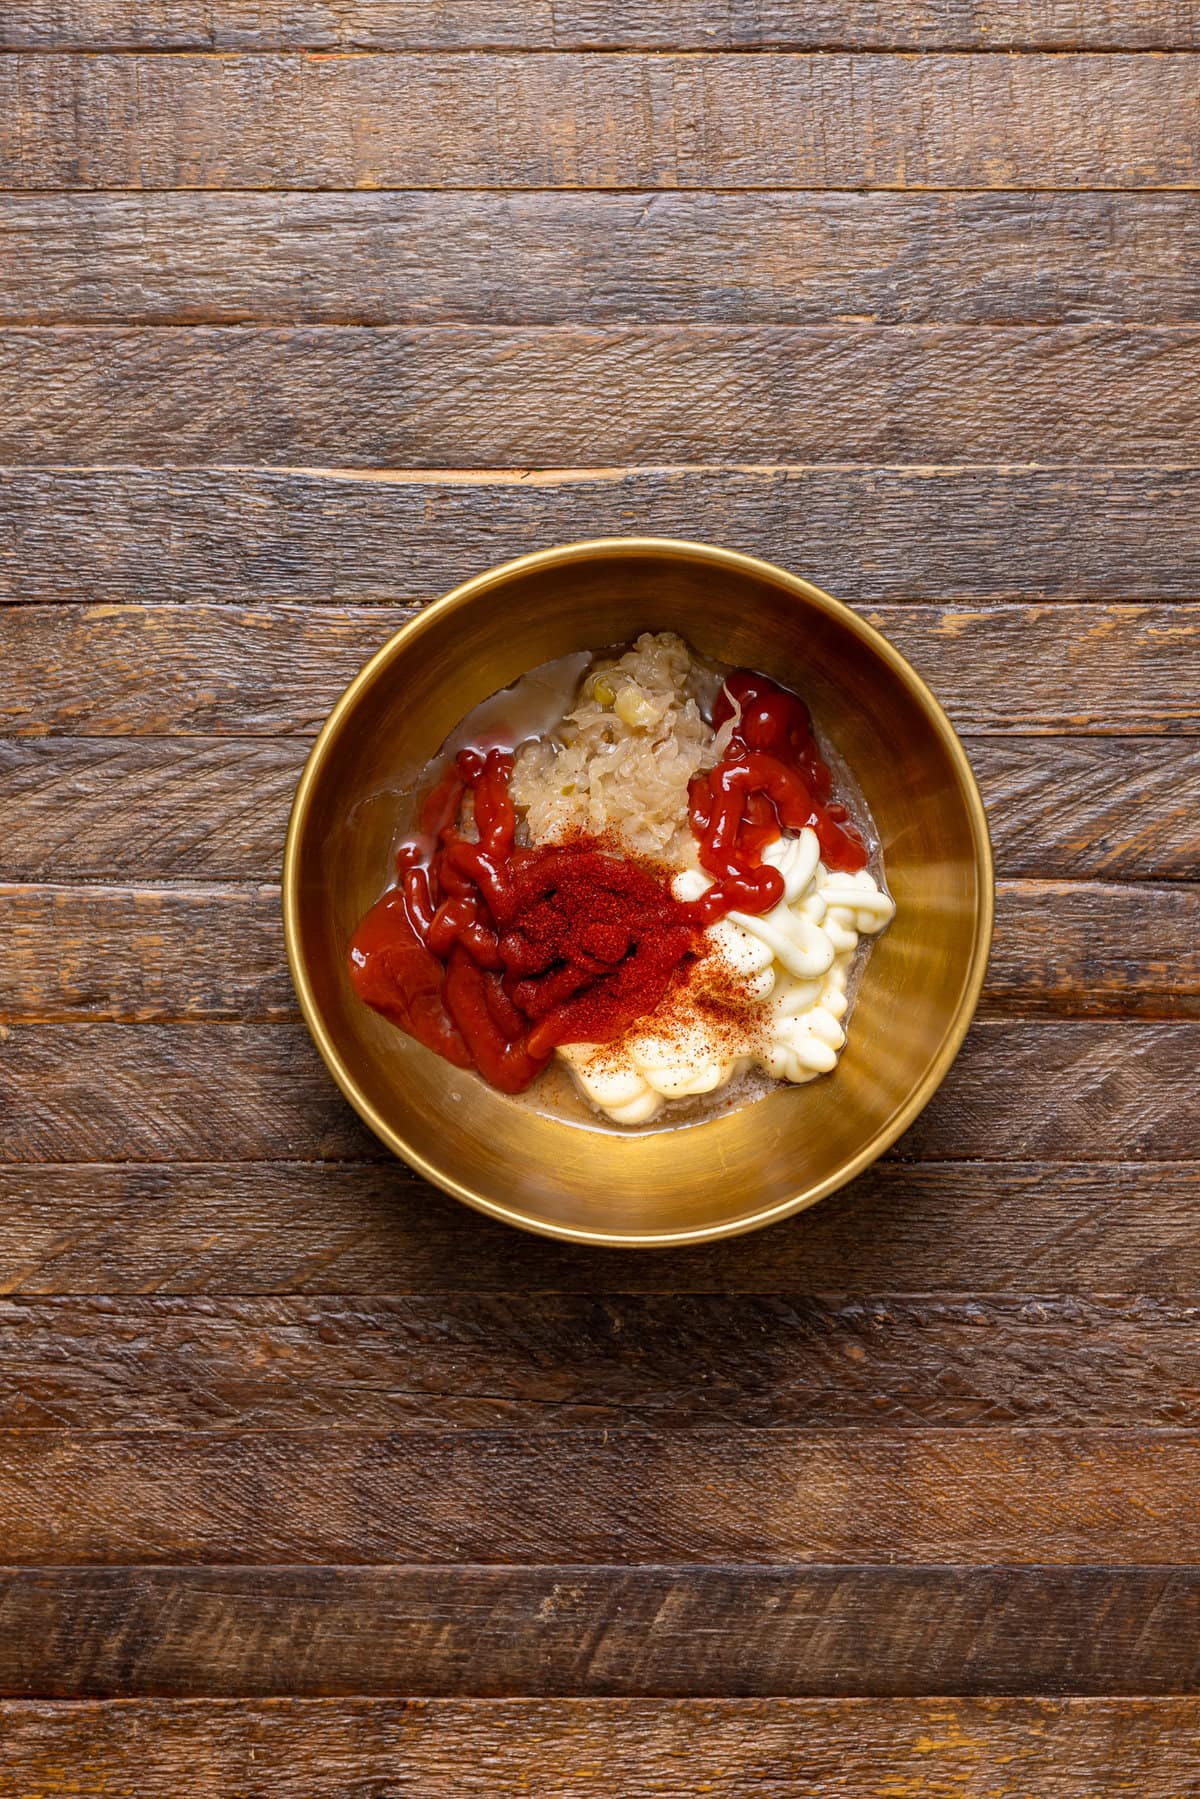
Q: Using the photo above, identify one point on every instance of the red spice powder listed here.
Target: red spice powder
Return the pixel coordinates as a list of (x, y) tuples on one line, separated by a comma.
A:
[(593, 940)]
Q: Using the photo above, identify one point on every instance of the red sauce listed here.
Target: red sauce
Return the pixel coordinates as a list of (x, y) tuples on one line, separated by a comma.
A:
[(771, 779), (491, 955), (394, 972)]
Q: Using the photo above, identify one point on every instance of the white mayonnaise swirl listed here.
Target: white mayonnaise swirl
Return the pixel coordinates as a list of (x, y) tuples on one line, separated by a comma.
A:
[(786, 972)]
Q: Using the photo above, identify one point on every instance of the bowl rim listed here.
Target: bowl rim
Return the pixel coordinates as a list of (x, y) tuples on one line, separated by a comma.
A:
[(721, 558)]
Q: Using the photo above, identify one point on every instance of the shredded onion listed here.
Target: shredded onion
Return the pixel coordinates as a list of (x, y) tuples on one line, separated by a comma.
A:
[(622, 758)]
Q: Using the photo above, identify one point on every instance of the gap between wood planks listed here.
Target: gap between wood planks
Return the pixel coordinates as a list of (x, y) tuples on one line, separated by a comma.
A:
[(617, 189), (628, 321), (282, 321), (610, 52), (540, 475)]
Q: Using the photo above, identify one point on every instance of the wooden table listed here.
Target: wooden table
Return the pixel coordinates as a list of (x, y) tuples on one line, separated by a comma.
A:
[(311, 1481)]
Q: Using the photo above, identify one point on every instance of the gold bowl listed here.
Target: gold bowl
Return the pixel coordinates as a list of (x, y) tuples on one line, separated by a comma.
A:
[(737, 1171)]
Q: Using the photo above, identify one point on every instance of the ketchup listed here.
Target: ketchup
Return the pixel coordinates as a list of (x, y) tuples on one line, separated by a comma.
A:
[(492, 954), (771, 779)]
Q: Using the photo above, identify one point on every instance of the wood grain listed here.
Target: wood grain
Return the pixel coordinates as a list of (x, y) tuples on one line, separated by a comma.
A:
[(365, 1229), (118, 670), (1076, 949), (216, 809), (540, 1363), (594, 1632), (779, 1748), (219, 670), (596, 24), (183, 1091), (951, 534), (437, 284), (166, 670), (1079, 806), (209, 809), (656, 121), (1019, 1090), (1119, 950), (594, 258), (833, 1497), (144, 953), (470, 397)]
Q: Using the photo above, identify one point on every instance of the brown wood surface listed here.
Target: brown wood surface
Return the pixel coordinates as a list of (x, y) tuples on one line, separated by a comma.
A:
[(593, 258), (597, 24), (547, 1362), (474, 397), (954, 534), (564, 1749), (370, 1228), (311, 1480), (594, 1630), (873, 1495), (649, 121)]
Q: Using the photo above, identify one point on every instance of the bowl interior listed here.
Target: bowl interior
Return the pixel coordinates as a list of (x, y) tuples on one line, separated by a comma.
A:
[(920, 984)]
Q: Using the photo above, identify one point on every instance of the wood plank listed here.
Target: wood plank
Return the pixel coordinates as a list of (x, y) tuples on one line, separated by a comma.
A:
[(444, 1749), (246, 535), (209, 809), (164, 1092), (216, 809), (566, 1497), (658, 120), (594, 258), (215, 670), (1054, 1085), (593, 1632), (597, 24), (221, 670), (470, 397), (278, 1228), (135, 954), (1020, 1090), (1080, 806), (1117, 950), (543, 1363)]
